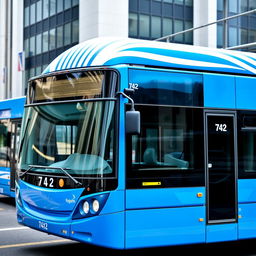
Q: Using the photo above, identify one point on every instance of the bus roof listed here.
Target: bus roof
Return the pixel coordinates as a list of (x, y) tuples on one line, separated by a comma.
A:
[(113, 51)]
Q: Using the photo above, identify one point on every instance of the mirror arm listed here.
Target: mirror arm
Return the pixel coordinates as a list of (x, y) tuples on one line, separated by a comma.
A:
[(127, 97)]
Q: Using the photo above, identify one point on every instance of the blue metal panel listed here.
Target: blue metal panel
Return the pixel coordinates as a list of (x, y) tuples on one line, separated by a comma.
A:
[(121, 161), (219, 91), (53, 199), (12, 108), (247, 190), (247, 223), (245, 92), (221, 232), (50, 227), (170, 197), (104, 230), (166, 226)]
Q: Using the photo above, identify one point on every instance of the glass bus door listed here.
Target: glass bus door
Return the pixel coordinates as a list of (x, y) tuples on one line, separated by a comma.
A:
[(221, 167)]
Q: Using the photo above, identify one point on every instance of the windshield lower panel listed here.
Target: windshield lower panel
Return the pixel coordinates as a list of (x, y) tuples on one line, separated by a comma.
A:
[(73, 139)]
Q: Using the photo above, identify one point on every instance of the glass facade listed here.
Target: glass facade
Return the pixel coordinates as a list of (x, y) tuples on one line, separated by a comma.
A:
[(151, 19), (50, 27), (240, 30)]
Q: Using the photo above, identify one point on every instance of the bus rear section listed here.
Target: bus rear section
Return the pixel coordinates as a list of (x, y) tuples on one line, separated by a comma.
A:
[(11, 112)]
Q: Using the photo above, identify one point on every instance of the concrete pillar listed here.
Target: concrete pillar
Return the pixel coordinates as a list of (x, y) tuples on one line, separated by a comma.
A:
[(103, 18), (17, 89), (205, 11)]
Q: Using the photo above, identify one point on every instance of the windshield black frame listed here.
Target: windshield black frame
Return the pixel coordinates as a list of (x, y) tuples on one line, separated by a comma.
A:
[(84, 180)]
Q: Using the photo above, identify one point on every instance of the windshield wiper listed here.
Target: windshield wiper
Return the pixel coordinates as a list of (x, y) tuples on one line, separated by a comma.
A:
[(64, 170)]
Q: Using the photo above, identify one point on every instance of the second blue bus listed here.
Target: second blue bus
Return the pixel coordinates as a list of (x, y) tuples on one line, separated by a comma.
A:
[(11, 111)]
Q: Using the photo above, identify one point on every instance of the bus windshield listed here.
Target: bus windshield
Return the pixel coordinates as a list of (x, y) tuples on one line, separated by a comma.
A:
[(77, 136), (69, 126)]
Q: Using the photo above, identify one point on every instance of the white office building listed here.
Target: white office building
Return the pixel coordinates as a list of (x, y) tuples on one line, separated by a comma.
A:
[(34, 32)]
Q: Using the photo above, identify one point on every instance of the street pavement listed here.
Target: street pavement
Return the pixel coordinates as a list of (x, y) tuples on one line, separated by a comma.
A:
[(23, 241)]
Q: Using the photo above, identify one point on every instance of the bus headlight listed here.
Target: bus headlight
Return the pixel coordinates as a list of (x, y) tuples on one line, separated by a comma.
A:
[(90, 205), (95, 205), (86, 207)]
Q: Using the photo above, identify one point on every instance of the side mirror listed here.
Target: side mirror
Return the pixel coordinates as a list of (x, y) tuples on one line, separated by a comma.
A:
[(132, 122), (132, 116)]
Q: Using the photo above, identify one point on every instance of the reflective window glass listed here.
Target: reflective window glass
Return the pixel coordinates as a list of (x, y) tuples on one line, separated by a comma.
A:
[(133, 24), (32, 46), (52, 39), (144, 25), (45, 41), (59, 36), (178, 26), (26, 17), (59, 5), (167, 26), (45, 8), (167, 88), (4, 144), (67, 34), (170, 149), (52, 7), (75, 31), (32, 13), (38, 43), (39, 10), (247, 144), (155, 27)]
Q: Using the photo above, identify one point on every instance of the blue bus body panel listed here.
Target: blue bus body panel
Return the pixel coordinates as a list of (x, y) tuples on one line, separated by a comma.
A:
[(159, 217), (49, 199), (221, 232), (247, 208), (115, 51), (171, 197), (165, 226), (219, 91), (51, 211), (5, 182), (245, 93), (12, 108)]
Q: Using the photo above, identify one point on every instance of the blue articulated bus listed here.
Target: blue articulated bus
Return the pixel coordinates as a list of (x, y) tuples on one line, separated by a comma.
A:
[(129, 144), (11, 112)]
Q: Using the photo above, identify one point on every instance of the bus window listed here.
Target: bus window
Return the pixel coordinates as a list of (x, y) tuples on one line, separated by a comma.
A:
[(247, 144), (169, 149), (4, 143), (166, 88)]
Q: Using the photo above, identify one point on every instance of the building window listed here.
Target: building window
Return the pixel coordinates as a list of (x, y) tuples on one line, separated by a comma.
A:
[(240, 30), (50, 27), (151, 19)]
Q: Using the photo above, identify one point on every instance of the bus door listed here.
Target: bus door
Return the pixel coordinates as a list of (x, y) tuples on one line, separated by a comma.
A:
[(221, 175), (14, 146)]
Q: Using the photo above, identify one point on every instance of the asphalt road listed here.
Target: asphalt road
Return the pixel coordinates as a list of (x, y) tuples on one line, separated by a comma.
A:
[(23, 241)]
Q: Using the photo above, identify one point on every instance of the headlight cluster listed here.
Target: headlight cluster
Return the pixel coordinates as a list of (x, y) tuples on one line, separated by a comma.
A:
[(90, 206)]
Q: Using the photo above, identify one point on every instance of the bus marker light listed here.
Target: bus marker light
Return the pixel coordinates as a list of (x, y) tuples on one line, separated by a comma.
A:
[(201, 219), (154, 183), (199, 194), (61, 183)]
